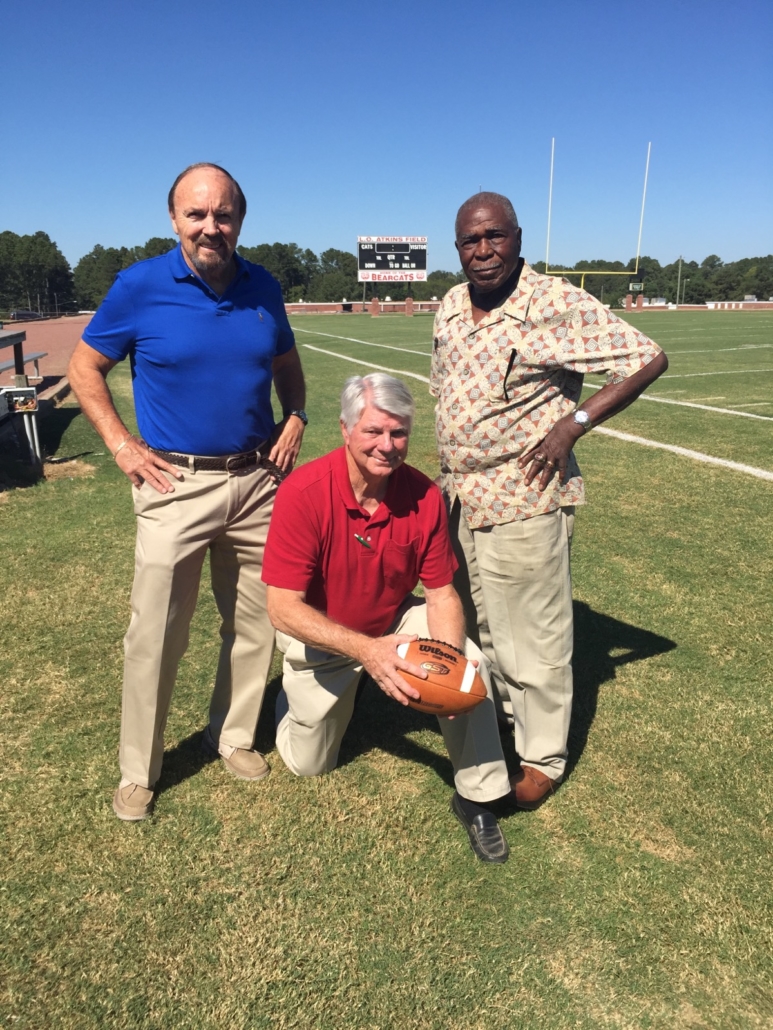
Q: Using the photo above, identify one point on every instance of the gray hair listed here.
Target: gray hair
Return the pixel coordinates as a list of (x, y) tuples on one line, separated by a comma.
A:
[(479, 200), (383, 391)]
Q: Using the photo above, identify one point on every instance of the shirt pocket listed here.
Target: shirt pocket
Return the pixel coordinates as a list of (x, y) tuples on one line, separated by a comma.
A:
[(400, 565), (500, 379)]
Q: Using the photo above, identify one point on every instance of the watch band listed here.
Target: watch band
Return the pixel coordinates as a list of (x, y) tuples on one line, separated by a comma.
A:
[(299, 413)]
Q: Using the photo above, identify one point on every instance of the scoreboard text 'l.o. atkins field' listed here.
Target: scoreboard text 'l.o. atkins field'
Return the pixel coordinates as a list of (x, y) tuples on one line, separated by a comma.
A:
[(391, 259)]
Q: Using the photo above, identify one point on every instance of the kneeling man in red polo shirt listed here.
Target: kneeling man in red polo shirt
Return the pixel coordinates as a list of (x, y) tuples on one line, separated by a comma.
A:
[(351, 535)]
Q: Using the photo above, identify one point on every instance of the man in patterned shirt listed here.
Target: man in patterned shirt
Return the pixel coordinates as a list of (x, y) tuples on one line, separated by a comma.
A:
[(511, 347)]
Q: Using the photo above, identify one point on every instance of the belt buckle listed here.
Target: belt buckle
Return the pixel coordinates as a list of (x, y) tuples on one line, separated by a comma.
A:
[(240, 461)]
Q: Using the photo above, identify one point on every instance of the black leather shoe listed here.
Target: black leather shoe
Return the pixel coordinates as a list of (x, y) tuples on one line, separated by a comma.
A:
[(486, 838)]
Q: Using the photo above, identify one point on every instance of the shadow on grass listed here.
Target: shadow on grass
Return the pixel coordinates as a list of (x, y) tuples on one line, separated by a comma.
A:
[(379, 722), (187, 758), (16, 466), (17, 469), (182, 761), (602, 643), (53, 427)]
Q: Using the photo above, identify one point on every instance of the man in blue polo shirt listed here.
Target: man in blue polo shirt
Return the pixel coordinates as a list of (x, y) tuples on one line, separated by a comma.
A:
[(206, 334)]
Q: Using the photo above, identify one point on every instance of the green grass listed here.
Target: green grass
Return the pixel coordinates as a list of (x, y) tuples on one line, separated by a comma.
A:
[(639, 897)]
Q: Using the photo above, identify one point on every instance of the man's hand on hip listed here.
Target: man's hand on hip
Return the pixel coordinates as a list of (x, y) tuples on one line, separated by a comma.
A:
[(136, 460), (286, 442), (551, 456)]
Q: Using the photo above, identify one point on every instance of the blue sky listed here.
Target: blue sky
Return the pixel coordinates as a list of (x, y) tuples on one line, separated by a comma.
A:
[(350, 118)]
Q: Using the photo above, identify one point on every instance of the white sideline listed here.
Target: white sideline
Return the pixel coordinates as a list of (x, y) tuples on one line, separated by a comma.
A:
[(684, 452), (716, 350), (692, 404), (351, 339), (367, 364), (591, 386), (726, 372), (750, 470)]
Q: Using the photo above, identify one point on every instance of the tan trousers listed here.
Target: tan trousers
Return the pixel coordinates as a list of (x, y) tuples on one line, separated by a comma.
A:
[(515, 583), (227, 513), (316, 703)]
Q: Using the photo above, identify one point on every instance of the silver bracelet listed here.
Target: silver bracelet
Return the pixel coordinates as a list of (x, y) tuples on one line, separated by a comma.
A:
[(121, 445)]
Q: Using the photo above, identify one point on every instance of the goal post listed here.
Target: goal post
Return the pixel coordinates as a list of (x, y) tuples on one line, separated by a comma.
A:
[(632, 275)]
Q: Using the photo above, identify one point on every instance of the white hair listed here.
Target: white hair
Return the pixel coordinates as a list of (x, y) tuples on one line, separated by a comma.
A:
[(485, 198), (383, 391)]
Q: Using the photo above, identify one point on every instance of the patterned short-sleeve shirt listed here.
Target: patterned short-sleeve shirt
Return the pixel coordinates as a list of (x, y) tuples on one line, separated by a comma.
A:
[(501, 385)]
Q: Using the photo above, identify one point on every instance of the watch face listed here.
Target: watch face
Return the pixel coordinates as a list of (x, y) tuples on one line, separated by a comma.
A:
[(582, 419)]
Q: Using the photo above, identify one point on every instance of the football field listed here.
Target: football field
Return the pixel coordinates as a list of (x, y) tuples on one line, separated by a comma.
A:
[(715, 399), (638, 897)]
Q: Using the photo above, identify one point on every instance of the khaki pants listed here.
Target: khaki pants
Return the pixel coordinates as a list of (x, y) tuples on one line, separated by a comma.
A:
[(316, 703), (227, 513), (515, 583)]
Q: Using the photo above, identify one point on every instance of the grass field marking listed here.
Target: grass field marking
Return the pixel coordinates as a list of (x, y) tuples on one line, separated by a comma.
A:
[(685, 452), (723, 350), (710, 329), (350, 339), (367, 364), (591, 386), (692, 404), (724, 372), (627, 437)]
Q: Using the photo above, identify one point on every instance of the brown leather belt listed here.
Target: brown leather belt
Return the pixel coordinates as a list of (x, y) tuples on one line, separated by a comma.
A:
[(224, 463)]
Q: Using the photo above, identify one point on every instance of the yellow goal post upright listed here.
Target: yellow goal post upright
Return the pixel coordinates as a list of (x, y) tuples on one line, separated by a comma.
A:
[(581, 272)]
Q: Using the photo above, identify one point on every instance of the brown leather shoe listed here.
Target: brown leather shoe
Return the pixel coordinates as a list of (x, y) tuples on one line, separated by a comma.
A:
[(531, 787)]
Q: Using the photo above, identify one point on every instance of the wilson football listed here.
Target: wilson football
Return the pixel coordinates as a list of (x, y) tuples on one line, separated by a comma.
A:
[(452, 686)]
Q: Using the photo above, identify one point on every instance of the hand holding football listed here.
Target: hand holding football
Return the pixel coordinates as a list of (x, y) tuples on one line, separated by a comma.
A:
[(453, 685)]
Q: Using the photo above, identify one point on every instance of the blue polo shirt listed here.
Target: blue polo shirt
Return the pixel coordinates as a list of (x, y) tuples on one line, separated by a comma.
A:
[(201, 364)]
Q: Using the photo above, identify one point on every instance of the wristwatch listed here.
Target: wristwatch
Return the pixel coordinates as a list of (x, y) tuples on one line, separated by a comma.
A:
[(300, 413), (582, 418)]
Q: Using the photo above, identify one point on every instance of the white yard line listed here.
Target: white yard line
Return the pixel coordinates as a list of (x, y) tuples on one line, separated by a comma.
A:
[(684, 452), (726, 372), (426, 354), (724, 350), (691, 404), (749, 470), (350, 339), (367, 364), (710, 329)]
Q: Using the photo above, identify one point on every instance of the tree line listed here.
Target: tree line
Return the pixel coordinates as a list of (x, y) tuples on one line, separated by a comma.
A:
[(710, 280), (35, 275)]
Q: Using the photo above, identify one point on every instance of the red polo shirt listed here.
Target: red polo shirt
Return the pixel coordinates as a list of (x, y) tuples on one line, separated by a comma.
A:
[(313, 543)]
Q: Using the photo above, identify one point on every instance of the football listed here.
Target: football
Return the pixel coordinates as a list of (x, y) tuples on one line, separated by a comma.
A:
[(452, 686)]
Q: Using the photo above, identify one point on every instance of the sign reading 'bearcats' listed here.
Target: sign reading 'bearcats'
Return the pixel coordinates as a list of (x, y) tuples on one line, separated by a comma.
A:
[(391, 259)]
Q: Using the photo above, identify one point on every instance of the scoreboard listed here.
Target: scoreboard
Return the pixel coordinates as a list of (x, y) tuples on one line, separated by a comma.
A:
[(391, 259)]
